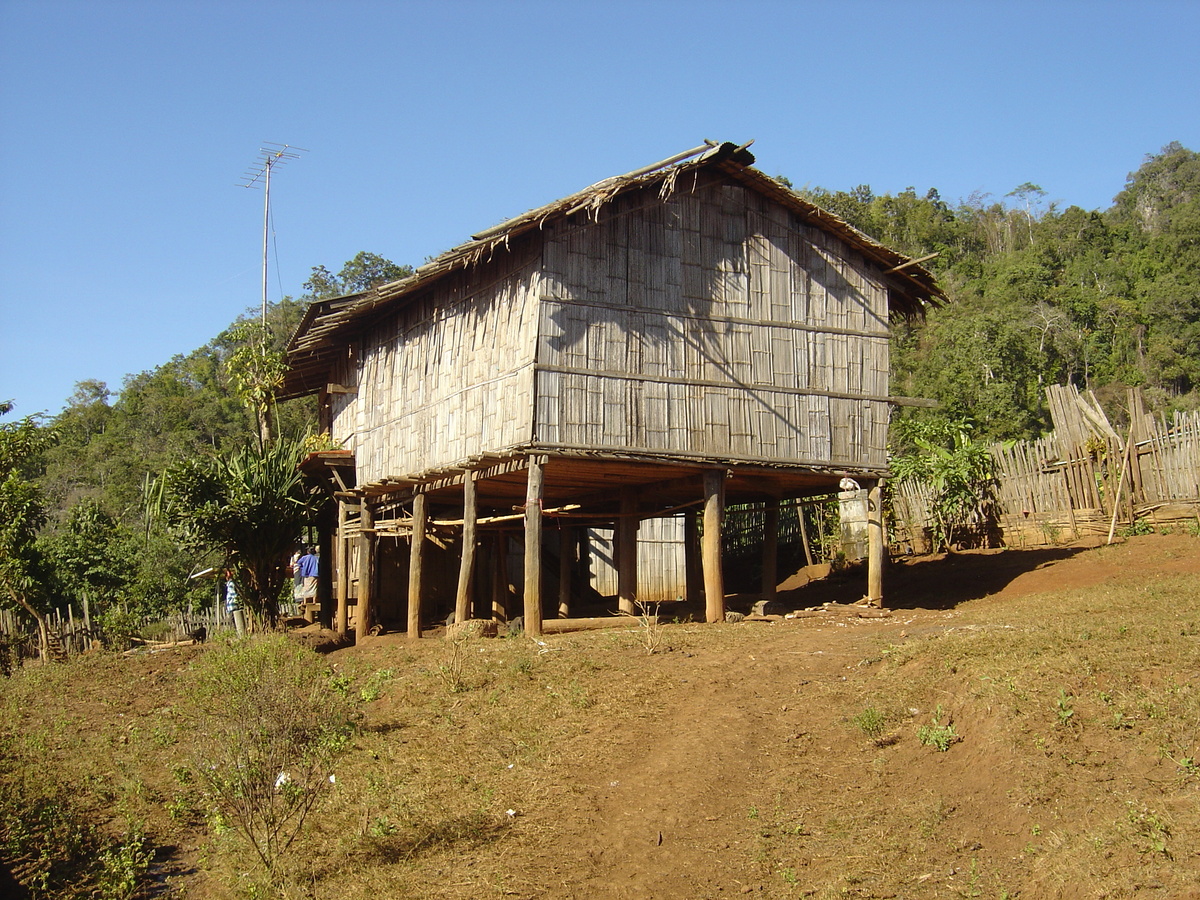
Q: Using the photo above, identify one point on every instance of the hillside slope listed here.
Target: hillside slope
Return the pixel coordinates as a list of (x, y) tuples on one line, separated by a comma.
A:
[(772, 758)]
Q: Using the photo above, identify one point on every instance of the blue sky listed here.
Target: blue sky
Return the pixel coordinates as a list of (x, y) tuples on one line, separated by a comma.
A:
[(125, 128)]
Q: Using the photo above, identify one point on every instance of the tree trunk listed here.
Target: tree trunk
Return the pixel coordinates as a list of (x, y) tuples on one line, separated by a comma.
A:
[(43, 627)]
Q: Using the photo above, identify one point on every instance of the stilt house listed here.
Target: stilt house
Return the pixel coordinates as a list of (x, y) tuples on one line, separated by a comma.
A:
[(648, 350)]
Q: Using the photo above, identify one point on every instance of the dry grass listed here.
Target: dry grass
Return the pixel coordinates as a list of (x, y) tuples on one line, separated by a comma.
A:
[(743, 754)]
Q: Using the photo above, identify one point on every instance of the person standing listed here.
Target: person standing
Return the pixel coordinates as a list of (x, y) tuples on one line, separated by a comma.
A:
[(309, 568), (233, 604)]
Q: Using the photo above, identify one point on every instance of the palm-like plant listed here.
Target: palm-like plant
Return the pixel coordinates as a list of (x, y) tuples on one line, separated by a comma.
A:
[(252, 504)]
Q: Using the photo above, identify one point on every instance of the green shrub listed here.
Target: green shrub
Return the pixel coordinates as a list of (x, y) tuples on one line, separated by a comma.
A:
[(269, 721)]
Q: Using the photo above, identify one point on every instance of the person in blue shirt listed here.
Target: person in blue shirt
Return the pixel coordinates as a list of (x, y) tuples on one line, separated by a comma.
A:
[(308, 569)]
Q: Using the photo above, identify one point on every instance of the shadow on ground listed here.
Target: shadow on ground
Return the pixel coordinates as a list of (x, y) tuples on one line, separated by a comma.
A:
[(932, 582)]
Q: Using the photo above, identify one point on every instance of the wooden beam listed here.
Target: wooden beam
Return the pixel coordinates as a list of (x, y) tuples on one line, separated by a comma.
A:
[(875, 544), (770, 551), (414, 567), (533, 547), (710, 553), (466, 566), (366, 572), (627, 552)]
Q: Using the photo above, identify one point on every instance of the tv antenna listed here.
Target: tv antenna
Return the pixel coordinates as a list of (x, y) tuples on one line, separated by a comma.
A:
[(269, 157)]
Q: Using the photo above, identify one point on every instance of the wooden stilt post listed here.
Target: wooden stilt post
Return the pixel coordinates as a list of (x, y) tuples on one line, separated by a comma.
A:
[(500, 578), (414, 567), (627, 553), (875, 544), (568, 546), (710, 553), (466, 568), (693, 572), (770, 551), (366, 570), (342, 568), (533, 548)]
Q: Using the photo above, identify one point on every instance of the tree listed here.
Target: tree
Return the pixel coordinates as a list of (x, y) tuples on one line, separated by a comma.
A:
[(958, 470), (250, 505), (363, 272), (257, 371), (22, 513)]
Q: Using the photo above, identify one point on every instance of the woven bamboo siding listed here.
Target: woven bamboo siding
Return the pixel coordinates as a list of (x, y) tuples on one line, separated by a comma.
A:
[(448, 376), (712, 323), (662, 573)]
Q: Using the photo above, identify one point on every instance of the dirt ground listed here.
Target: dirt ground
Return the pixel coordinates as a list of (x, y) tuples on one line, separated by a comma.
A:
[(736, 759), (739, 772)]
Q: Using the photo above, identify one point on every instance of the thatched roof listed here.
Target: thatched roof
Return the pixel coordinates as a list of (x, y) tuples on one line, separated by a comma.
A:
[(328, 323)]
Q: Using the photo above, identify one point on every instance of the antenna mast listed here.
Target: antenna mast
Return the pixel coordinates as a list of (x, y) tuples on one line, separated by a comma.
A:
[(270, 156)]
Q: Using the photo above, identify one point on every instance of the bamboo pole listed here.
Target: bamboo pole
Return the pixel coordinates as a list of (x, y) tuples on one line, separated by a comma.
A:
[(415, 572), (533, 547), (710, 553), (466, 568), (1120, 482), (627, 567)]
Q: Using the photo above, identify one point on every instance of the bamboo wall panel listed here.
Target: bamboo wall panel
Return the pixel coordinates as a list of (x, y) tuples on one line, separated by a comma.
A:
[(662, 573), (448, 376), (719, 313)]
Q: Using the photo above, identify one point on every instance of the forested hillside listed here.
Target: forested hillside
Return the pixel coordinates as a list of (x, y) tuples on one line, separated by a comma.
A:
[(1042, 295), (1038, 295)]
